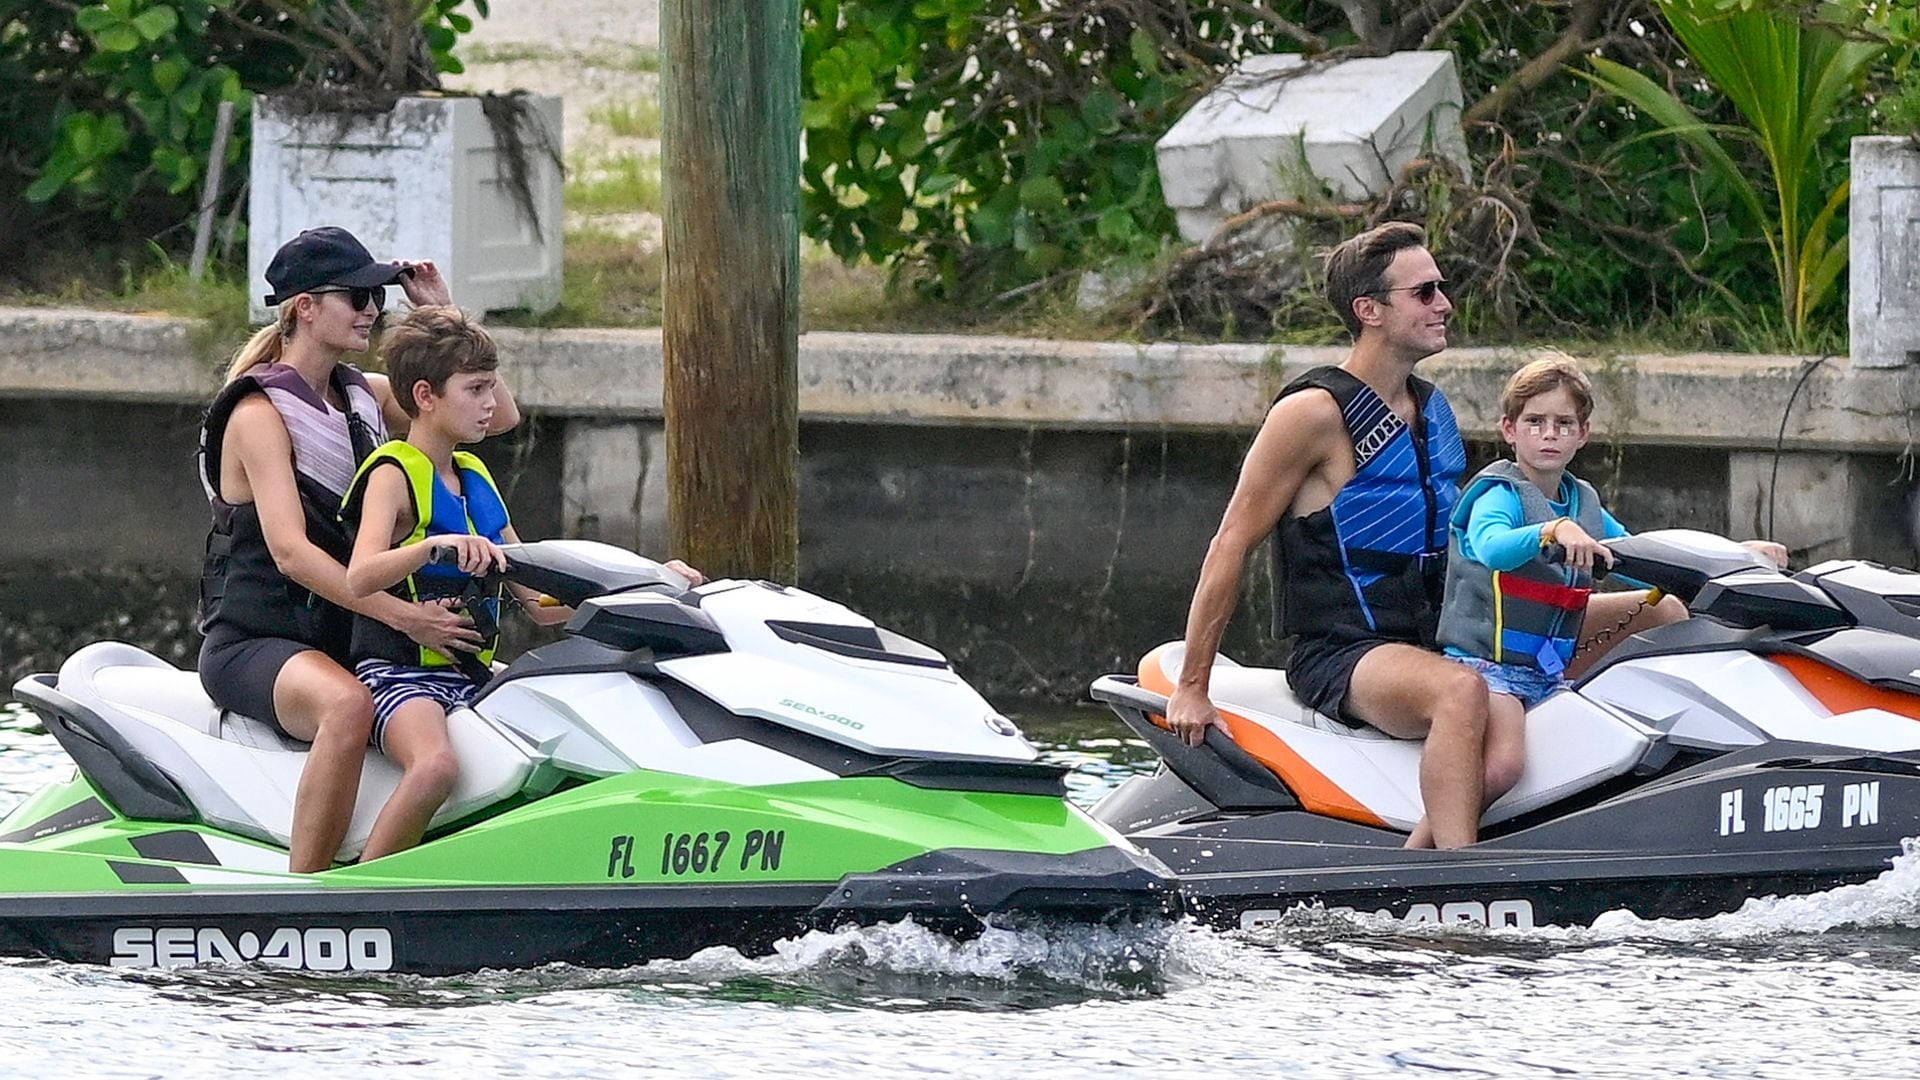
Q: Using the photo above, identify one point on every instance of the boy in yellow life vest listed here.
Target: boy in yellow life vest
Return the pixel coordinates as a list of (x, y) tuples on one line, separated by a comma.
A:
[(411, 498)]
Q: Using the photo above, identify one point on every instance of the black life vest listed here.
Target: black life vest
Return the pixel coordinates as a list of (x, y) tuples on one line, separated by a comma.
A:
[(240, 587), (1372, 564)]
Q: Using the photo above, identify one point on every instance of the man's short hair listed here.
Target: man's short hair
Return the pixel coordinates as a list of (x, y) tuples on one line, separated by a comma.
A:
[(1544, 376), (1358, 267), (433, 344)]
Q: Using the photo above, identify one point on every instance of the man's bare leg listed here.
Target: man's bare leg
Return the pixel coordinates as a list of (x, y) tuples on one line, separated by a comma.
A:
[(1612, 618), (1411, 693)]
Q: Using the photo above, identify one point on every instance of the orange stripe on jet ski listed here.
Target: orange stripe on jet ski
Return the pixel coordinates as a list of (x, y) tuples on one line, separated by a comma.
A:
[(1316, 793), (1841, 692)]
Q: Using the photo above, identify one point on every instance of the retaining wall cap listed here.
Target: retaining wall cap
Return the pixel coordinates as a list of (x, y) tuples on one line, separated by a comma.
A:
[(1731, 400)]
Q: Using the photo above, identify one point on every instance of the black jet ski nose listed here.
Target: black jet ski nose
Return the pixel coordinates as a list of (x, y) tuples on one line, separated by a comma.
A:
[(1091, 885)]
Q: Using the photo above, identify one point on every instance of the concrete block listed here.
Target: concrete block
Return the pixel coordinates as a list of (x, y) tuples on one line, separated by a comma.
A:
[(1810, 507), (1279, 128), (613, 480), (422, 181), (1884, 238), (1825, 506)]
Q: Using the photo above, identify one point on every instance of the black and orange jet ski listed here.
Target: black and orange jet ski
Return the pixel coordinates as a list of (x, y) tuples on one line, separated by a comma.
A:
[(1770, 744)]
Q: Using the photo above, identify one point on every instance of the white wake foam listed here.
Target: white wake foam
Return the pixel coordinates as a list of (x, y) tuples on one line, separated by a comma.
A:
[(1124, 959), (1891, 900)]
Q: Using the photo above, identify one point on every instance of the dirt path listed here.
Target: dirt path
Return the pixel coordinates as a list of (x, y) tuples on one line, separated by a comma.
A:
[(573, 25), (601, 57)]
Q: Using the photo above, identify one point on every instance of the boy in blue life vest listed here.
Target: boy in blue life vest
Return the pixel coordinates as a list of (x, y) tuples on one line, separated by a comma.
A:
[(1510, 613), (410, 498)]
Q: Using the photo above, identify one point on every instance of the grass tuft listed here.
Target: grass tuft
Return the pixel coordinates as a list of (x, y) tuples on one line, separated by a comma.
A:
[(630, 120), (622, 184)]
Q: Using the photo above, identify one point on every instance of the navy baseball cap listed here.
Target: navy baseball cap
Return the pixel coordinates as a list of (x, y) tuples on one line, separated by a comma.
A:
[(328, 255)]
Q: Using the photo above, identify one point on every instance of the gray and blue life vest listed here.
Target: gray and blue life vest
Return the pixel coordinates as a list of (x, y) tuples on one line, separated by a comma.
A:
[(437, 511), (1372, 564), (240, 586), (1530, 616)]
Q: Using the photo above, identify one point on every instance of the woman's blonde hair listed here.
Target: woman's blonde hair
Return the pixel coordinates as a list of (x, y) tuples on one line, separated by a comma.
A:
[(266, 345), (1544, 376)]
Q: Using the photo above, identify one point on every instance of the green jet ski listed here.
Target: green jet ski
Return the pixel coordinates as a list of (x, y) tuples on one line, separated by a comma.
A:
[(728, 765)]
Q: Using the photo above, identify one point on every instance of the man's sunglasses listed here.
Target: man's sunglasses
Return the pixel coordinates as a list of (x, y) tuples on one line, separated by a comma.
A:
[(358, 297), (1423, 292)]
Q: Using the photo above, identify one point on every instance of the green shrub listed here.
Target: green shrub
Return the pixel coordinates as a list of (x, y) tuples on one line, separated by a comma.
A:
[(991, 148), (107, 109), (994, 142), (1788, 81)]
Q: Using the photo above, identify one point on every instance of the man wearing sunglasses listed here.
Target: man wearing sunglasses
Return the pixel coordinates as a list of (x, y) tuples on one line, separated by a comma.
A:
[(1354, 473)]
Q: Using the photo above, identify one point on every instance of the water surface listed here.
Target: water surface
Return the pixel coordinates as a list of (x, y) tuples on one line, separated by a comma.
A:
[(1826, 985)]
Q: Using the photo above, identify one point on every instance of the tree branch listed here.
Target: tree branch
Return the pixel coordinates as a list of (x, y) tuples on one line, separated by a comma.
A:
[(338, 40), (1314, 42), (1364, 17), (1444, 23), (1577, 38)]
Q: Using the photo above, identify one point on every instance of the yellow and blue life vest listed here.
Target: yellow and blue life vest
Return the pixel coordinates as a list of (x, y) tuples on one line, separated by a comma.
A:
[(437, 511)]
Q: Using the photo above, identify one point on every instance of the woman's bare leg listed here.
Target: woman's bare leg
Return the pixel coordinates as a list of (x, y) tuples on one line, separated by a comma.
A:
[(322, 703)]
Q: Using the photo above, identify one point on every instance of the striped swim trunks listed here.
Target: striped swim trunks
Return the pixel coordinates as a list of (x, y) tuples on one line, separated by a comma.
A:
[(393, 685)]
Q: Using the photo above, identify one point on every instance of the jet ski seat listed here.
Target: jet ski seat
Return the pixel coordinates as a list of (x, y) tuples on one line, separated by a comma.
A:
[(1367, 776), (238, 773)]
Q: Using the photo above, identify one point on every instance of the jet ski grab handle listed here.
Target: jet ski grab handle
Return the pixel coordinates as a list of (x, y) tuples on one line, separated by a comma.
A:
[(1649, 559), (538, 566)]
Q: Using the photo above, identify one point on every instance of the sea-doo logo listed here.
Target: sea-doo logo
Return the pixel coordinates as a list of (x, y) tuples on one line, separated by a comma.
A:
[(999, 725), (843, 721), (317, 948), (1511, 914)]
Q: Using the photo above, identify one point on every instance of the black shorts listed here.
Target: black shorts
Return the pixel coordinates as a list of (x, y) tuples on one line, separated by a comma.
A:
[(1320, 670), (238, 671)]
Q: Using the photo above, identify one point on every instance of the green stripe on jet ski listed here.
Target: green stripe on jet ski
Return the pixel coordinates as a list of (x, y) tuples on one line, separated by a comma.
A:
[(637, 829)]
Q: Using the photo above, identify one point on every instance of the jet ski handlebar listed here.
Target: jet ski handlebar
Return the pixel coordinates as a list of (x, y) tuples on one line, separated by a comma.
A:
[(573, 571)]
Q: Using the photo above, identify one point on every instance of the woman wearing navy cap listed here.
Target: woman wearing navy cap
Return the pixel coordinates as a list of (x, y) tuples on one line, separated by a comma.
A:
[(278, 449)]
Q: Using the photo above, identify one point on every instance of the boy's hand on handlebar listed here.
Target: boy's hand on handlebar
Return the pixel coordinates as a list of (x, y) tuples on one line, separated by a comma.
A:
[(1582, 550), (475, 555), (1190, 714)]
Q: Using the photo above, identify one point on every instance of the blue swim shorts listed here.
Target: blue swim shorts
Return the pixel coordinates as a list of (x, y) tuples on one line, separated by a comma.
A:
[(1529, 684)]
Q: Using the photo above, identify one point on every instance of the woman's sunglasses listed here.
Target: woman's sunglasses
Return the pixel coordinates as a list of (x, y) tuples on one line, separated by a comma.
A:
[(1423, 292), (358, 297)]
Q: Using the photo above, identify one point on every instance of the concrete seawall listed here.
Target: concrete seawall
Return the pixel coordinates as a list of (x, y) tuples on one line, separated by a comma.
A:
[(1037, 510)]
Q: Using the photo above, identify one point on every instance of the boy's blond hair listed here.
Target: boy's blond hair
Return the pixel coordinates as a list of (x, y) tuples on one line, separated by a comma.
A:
[(1543, 376)]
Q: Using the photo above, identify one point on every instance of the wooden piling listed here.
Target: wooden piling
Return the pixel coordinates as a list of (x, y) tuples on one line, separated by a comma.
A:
[(730, 170)]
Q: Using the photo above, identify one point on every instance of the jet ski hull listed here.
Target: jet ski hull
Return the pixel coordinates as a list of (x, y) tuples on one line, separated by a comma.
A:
[(551, 882), (1775, 819)]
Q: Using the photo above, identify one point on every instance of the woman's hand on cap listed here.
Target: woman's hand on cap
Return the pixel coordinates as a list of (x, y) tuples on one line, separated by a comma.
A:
[(425, 287)]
